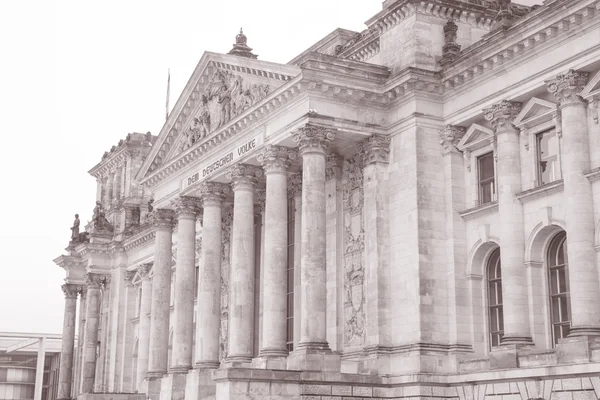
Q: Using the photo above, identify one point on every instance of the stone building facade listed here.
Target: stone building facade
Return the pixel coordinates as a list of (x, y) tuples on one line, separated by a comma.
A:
[(412, 211)]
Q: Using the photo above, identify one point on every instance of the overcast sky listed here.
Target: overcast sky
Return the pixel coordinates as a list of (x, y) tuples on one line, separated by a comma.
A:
[(76, 77)]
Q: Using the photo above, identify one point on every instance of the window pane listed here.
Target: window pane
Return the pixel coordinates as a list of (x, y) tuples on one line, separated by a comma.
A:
[(564, 309), (493, 300), (553, 281), (486, 166), (499, 291), (547, 157), (565, 330), (562, 279), (555, 309), (494, 320)]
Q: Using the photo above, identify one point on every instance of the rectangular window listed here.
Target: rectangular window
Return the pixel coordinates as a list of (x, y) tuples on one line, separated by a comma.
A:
[(290, 274), (548, 168), (486, 176)]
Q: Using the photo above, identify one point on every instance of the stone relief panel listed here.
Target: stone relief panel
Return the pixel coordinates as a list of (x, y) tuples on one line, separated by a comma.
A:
[(225, 97), (354, 297), (226, 223)]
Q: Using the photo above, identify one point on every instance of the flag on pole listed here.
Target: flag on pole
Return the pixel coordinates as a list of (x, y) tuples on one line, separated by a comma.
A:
[(168, 94)]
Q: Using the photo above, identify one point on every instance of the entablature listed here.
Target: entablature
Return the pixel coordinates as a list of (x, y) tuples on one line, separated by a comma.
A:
[(546, 25)]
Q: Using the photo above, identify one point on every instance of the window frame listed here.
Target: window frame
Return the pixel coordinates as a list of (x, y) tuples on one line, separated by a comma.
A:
[(493, 179), (492, 309), (566, 295), (539, 133)]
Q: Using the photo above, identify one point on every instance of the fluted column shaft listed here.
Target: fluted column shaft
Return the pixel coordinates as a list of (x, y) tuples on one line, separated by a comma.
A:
[(92, 312), (144, 327), (183, 329), (275, 161), (584, 287), (80, 336), (161, 294), (514, 285), (65, 379), (313, 142), (208, 312), (241, 300)]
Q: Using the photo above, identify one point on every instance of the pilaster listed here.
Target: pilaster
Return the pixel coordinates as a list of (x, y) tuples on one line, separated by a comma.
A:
[(68, 341)]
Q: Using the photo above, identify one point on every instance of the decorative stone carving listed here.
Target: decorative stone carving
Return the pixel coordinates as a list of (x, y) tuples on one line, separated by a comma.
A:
[(244, 176), (312, 138), (93, 280), (240, 48), (505, 15), (260, 199), (276, 158), (467, 159), (333, 166), (451, 48), (502, 114), (162, 217), (354, 298), (375, 149), (566, 87), (129, 275), (294, 185), (70, 290), (225, 97), (450, 136), (144, 270), (525, 135), (198, 248), (594, 109), (99, 221), (227, 221)]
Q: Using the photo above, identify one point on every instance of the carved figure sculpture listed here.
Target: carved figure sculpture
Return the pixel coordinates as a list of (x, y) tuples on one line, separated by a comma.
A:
[(99, 219), (75, 229)]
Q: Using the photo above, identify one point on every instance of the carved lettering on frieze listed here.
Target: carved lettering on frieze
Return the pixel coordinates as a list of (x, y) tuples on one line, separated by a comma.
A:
[(225, 97), (354, 297)]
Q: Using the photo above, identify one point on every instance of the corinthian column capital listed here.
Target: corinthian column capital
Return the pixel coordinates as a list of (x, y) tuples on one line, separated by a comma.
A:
[(260, 200), (501, 115), (95, 281), (186, 207), (294, 185), (375, 149), (244, 176), (213, 193), (566, 87), (276, 158), (311, 139), (70, 290), (450, 136), (162, 218)]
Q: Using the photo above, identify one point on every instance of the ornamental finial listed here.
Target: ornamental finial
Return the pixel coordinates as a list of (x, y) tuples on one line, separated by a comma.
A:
[(240, 48)]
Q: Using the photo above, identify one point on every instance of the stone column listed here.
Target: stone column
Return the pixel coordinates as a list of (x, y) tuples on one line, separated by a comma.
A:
[(313, 142), (117, 184), (185, 271), (579, 206), (110, 189), (275, 161), (241, 300), (161, 294), (68, 342), (514, 277), (80, 336), (208, 312), (90, 340), (144, 327), (378, 285)]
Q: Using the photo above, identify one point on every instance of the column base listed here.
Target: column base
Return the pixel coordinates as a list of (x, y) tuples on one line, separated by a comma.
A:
[(308, 359), (507, 355), (155, 374), (154, 382), (577, 349), (180, 369), (173, 386), (200, 365), (199, 385), (270, 362), (237, 362), (584, 330)]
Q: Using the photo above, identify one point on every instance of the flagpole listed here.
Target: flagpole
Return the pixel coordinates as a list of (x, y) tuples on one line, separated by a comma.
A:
[(168, 95)]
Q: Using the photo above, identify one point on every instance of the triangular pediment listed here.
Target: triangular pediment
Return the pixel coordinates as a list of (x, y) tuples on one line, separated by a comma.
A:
[(535, 112), (592, 88), (477, 136), (222, 90)]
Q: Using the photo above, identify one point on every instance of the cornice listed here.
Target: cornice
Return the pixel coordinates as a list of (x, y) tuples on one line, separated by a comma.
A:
[(539, 28), (540, 191), (67, 262), (480, 16), (139, 239), (480, 211), (593, 175)]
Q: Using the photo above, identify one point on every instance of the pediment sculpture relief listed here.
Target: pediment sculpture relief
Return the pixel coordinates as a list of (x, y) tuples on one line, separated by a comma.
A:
[(225, 97)]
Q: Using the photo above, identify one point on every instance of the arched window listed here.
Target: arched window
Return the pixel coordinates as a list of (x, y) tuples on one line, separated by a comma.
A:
[(558, 281), (494, 285)]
